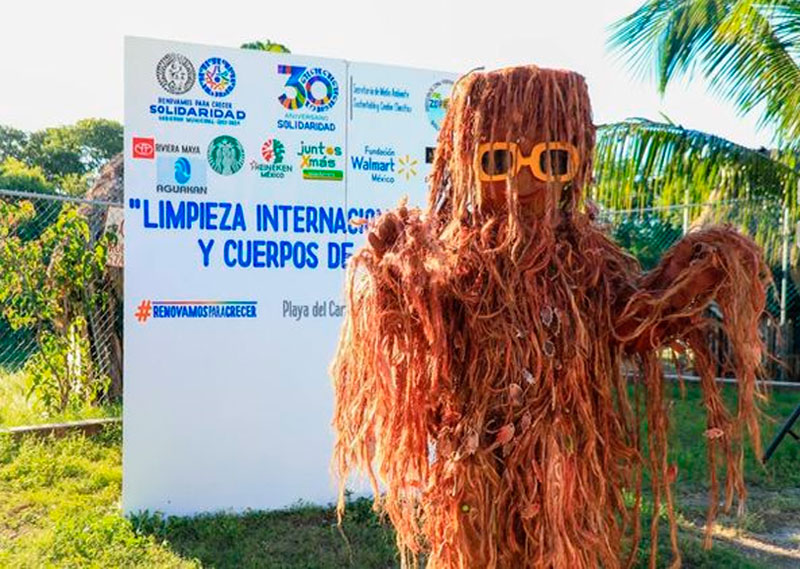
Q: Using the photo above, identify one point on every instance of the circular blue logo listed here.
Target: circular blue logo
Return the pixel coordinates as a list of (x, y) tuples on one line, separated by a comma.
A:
[(183, 170), (321, 89), (217, 77)]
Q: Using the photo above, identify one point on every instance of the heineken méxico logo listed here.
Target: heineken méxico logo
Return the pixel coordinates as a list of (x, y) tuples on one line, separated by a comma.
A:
[(225, 155), (273, 152), (175, 73)]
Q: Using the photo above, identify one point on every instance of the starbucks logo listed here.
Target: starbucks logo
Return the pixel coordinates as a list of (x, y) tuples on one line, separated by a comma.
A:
[(175, 73), (225, 155)]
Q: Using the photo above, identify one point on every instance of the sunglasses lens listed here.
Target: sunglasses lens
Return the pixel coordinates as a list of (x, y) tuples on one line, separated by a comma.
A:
[(496, 162), (555, 162)]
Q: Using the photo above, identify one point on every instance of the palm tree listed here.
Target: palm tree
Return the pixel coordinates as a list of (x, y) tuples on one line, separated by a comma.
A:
[(748, 51)]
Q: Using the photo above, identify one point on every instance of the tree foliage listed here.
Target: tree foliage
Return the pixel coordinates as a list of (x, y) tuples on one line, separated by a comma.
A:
[(640, 163), (66, 157), (45, 286), (266, 46), (748, 49)]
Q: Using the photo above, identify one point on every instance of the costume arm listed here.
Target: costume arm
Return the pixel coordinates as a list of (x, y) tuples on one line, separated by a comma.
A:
[(668, 307), (392, 354), (715, 264)]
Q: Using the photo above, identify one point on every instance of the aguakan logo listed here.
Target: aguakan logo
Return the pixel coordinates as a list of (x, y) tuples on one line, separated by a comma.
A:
[(175, 73), (181, 175), (225, 155), (217, 77), (144, 147), (436, 102), (321, 162), (183, 170), (273, 152), (171, 309)]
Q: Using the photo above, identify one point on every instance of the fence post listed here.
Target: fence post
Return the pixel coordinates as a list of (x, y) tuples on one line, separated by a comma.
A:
[(784, 287), (686, 211)]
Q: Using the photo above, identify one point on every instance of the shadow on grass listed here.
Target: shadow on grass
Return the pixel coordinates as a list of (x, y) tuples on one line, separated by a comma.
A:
[(307, 537), (303, 537)]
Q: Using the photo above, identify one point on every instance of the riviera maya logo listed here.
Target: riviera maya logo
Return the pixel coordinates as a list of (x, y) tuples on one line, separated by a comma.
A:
[(313, 88), (273, 152), (175, 73), (436, 102), (321, 162), (217, 77), (225, 155)]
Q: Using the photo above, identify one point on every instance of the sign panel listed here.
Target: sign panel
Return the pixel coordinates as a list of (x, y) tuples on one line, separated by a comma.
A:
[(243, 170)]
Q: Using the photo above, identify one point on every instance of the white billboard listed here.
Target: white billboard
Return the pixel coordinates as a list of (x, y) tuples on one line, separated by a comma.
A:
[(242, 172)]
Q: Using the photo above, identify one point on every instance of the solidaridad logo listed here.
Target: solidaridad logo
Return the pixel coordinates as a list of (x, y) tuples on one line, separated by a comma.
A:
[(225, 155), (436, 101), (217, 77), (175, 73), (273, 152)]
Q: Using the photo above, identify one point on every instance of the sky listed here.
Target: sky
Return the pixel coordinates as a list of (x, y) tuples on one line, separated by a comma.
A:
[(63, 60)]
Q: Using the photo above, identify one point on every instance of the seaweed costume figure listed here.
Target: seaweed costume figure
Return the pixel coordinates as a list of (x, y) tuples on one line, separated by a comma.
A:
[(481, 379)]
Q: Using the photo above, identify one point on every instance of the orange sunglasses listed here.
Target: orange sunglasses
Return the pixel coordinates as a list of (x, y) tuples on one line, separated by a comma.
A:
[(556, 161)]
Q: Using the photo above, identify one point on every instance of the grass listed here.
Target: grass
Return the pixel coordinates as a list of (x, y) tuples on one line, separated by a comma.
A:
[(16, 408), (59, 507), (688, 448)]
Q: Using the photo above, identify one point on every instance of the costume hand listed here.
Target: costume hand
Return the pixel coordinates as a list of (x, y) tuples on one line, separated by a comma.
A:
[(386, 231)]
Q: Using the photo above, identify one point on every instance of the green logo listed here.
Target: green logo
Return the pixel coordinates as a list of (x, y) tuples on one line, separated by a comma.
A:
[(321, 162), (225, 155)]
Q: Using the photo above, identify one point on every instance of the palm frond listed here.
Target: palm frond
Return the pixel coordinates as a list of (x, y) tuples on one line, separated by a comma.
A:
[(748, 49), (641, 163)]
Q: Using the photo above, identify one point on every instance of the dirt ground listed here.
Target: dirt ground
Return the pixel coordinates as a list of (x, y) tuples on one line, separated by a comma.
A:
[(767, 531)]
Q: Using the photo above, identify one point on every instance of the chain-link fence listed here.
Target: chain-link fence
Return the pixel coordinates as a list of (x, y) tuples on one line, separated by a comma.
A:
[(61, 281), (61, 296)]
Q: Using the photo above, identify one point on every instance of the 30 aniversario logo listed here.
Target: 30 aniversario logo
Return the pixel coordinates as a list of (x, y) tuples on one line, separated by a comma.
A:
[(308, 94)]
